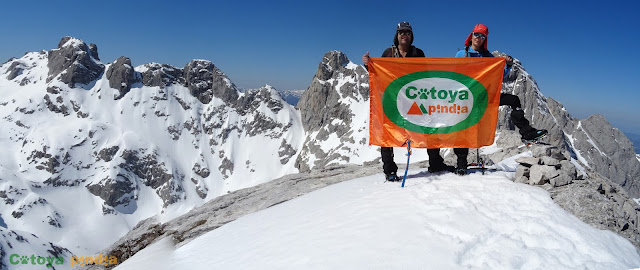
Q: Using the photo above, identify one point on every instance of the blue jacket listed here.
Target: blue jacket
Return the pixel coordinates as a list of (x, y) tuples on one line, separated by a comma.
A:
[(473, 53)]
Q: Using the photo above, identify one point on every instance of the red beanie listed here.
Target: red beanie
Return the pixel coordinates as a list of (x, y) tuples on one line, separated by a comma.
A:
[(480, 28)]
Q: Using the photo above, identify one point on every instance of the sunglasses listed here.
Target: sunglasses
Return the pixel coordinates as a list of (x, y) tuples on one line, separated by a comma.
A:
[(480, 35), (404, 33)]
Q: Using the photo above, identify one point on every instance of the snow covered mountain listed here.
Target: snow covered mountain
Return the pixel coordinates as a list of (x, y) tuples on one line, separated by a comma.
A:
[(93, 148), (100, 150), (330, 111), (291, 96)]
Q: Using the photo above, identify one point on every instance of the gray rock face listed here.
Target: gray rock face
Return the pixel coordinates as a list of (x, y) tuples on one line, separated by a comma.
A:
[(205, 80), (160, 75), (250, 102), (117, 193), (107, 154), (605, 148), (601, 204), (93, 49), (320, 103), (534, 104), (609, 152), (260, 123), (121, 76), (15, 69), (201, 171), (153, 174), (285, 152), (544, 167), (73, 60), (202, 77), (324, 111), (56, 107)]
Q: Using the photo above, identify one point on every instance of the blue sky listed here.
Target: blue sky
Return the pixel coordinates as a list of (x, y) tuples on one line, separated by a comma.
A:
[(582, 55)]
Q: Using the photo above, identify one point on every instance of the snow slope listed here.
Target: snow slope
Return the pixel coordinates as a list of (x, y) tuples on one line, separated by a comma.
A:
[(81, 168), (440, 221)]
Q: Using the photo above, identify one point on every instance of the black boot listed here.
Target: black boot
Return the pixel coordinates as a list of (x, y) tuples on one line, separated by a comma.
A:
[(436, 162), (527, 132), (392, 177), (388, 165), (534, 134), (462, 154)]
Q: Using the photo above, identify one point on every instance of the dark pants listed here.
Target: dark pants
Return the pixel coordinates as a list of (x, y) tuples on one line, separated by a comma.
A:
[(388, 165), (435, 160), (517, 114)]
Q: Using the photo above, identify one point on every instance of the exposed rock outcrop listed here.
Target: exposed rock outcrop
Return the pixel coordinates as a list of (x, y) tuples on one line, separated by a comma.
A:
[(594, 140), (160, 75), (205, 81), (74, 62), (121, 76), (337, 95), (609, 152)]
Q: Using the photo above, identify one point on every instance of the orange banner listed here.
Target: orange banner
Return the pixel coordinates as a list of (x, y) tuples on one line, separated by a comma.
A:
[(434, 102)]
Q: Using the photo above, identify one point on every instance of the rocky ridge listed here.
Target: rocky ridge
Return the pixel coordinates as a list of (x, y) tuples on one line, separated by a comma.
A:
[(205, 122), (592, 141), (332, 115), (120, 134)]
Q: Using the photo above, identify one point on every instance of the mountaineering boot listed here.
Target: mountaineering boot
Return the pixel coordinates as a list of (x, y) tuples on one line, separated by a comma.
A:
[(534, 134), (440, 167), (462, 154), (392, 177)]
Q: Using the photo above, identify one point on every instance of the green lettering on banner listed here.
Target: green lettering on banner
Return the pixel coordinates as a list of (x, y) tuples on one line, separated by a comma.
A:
[(410, 95), (480, 100), (16, 257)]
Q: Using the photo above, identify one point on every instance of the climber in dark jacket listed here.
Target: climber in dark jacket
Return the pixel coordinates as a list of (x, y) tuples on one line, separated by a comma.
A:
[(402, 47), (476, 46)]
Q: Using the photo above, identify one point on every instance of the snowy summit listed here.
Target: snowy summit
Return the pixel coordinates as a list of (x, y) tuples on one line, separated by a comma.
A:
[(440, 221)]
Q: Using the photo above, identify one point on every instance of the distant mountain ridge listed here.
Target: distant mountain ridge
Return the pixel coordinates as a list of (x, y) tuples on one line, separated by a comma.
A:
[(635, 140), (122, 144), (291, 96)]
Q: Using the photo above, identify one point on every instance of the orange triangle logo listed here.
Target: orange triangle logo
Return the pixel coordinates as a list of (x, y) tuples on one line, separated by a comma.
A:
[(414, 110)]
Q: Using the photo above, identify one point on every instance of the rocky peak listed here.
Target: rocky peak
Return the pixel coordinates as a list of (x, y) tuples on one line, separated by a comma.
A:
[(334, 81), (205, 80), (255, 98), (325, 107), (331, 62), (74, 62), (93, 48), (608, 151), (121, 76), (154, 74)]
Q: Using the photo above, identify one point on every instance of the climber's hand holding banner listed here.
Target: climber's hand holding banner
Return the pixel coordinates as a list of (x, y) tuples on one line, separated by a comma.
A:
[(434, 102)]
